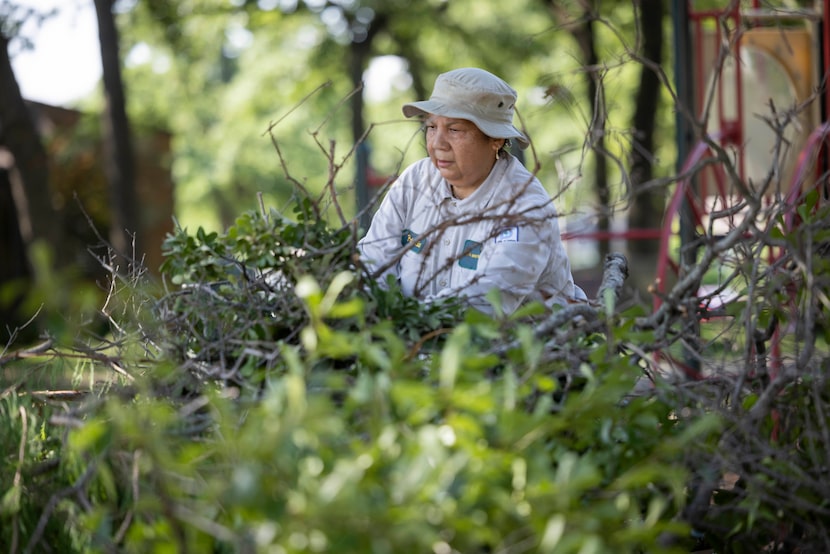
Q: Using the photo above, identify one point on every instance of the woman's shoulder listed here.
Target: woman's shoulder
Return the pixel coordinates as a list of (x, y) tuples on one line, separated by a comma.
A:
[(418, 177), (522, 179), (421, 167)]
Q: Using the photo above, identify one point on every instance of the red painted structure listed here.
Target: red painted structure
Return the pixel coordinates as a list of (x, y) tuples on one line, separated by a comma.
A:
[(699, 192)]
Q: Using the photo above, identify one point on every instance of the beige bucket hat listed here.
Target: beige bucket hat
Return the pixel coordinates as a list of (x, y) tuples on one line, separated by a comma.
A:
[(475, 95)]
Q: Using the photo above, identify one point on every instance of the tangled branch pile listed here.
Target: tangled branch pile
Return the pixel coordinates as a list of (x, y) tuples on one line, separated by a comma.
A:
[(270, 398)]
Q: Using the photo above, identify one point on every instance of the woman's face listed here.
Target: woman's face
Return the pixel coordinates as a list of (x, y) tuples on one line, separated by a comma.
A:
[(462, 153)]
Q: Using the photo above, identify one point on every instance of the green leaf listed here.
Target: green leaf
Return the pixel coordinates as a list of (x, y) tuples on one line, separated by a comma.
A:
[(530, 309), (335, 288), (93, 436), (10, 504), (350, 308), (452, 356), (749, 401), (554, 531), (609, 301)]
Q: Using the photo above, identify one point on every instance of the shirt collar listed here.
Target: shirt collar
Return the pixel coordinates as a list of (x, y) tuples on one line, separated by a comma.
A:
[(483, 194)]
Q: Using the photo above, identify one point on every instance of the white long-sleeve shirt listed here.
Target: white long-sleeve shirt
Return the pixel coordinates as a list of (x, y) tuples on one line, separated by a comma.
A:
[(504, 236)]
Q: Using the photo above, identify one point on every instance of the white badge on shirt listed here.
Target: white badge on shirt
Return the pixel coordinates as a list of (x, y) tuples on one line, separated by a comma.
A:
[(508, 234)]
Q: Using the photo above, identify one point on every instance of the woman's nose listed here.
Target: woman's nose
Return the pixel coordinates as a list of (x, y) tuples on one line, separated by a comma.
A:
[(438, 138)]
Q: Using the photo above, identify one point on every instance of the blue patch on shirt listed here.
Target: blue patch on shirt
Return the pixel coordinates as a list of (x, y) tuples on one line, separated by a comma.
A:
[(472, 251), (508, 234), (408, 237)]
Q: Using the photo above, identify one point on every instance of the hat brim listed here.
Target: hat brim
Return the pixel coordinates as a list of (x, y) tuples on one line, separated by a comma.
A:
[(492, 130)]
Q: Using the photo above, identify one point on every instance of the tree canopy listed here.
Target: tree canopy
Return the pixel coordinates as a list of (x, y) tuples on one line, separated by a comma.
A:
[(291, 63)]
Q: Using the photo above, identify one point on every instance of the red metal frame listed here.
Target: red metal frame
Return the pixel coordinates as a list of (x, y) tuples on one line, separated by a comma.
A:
[(826, 41), (731, 130), (813, 156)]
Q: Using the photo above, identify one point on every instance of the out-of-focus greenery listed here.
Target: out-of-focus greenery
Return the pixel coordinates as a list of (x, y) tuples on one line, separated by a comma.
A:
[(269, 397), (272, 400)]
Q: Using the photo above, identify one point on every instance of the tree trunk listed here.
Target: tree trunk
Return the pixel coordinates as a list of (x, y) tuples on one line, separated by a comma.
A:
[(118, 153), (19, 135), (14, 267), (358, 59), (359, 52), (584, 35), (647, 205), (26, 212), (582, 30)]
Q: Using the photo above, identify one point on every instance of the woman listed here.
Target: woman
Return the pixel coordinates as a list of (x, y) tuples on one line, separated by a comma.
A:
[(470, 218)]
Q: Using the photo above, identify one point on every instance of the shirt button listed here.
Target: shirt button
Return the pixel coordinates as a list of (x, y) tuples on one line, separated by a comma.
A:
[(447, 242), (454, 204), (443, 283)]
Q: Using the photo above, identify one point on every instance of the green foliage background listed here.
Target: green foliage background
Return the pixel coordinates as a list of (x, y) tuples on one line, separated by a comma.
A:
[(218, 75)]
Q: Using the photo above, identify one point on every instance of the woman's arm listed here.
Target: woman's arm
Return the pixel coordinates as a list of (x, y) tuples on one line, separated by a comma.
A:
[(380, 248), (515, 266)]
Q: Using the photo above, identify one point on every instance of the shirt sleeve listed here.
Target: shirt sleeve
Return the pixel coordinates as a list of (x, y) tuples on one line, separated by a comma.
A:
[(381, 246), (516, 267)]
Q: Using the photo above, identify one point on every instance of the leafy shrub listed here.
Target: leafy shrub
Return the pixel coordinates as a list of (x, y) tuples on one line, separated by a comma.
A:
[(270, 397), (36, 483), (419, 454), (283, 402)]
